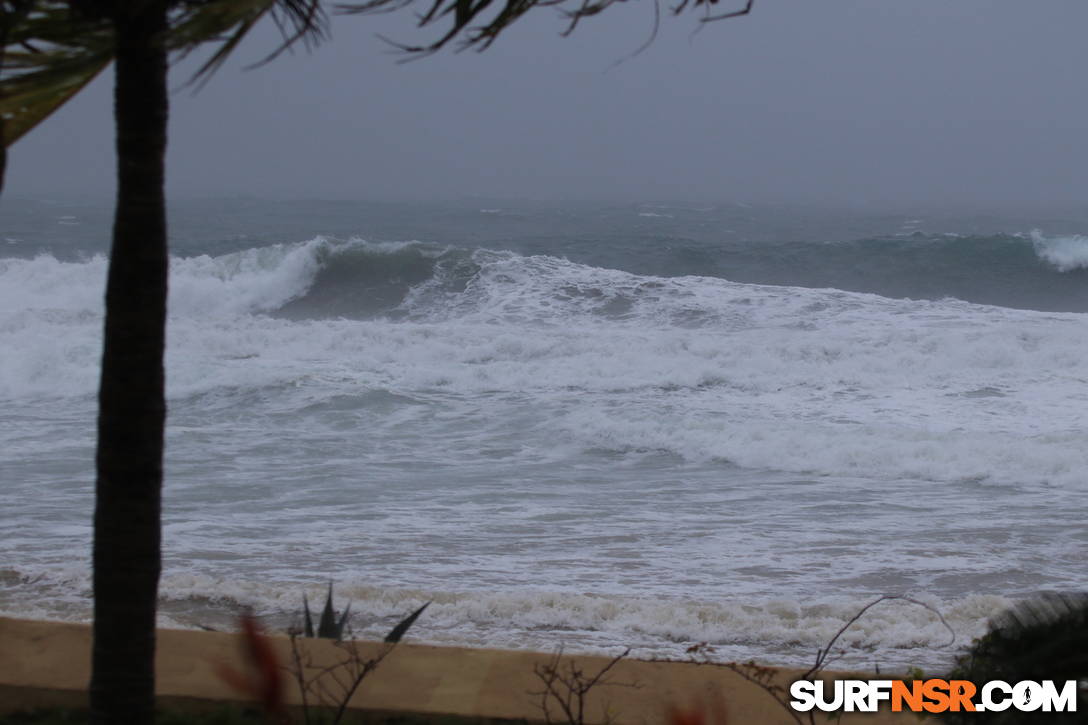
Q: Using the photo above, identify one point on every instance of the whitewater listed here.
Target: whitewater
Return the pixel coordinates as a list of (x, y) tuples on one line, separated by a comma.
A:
[(547, 421)]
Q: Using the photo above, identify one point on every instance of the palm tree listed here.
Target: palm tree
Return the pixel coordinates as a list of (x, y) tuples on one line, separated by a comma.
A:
[(131, 406), (49, 50), (55, 48)]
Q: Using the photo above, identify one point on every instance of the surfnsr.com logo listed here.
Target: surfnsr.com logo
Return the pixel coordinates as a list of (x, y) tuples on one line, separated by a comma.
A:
[(935, 695)]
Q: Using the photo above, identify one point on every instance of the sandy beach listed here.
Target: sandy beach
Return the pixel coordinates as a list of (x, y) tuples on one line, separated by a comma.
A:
[(47, 664)]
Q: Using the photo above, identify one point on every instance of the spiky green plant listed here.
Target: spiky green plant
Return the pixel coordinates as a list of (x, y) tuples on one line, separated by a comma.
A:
[(328, 627), (402, 627), (331, 627)]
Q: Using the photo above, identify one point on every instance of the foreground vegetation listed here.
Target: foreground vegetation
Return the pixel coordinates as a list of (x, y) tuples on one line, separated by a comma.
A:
[(232, 715), (219, 716)]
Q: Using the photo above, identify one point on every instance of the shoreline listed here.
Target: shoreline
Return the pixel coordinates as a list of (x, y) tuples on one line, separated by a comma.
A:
[(47, 664)]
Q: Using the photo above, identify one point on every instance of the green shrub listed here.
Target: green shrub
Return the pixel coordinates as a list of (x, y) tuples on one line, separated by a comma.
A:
[(1044, 638)]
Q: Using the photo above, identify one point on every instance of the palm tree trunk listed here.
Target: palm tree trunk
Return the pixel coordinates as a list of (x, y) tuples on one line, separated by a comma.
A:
[(132, 409)]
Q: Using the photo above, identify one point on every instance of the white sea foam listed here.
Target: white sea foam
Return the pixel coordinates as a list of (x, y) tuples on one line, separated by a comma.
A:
[(894, 634), (254, 280), (50, 325), (1065, 253)]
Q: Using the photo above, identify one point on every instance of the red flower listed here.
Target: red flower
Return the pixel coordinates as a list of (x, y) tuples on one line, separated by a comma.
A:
[(264, 681), (698, 715)]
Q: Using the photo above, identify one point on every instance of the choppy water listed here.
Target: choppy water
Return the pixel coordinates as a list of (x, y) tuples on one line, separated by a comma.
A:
[(639, 425)]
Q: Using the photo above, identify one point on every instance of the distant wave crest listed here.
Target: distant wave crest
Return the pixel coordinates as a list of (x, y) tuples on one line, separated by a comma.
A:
[(1065, 253)]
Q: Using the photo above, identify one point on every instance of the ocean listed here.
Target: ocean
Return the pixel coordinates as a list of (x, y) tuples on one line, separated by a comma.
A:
[(584, 425)]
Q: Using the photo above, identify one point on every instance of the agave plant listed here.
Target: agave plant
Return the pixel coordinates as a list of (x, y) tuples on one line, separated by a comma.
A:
[(398, 631), (329, 627)]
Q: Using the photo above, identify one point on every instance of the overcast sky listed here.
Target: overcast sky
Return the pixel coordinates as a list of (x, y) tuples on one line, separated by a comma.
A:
[(813, 100)]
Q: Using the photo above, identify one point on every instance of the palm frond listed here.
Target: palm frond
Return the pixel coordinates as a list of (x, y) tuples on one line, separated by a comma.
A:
[(467, 20), (229, 21), (48, 53), (48, 56)]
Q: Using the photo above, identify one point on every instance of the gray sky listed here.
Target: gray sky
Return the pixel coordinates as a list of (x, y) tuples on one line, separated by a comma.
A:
[(811, 100)]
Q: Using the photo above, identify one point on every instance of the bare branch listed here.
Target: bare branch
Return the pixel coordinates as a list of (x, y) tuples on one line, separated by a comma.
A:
[(766, 677), (569, 686), (332, 686), (821, 655)]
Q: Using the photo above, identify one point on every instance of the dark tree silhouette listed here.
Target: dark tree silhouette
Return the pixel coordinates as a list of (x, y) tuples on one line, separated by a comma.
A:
[(131, 406)]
